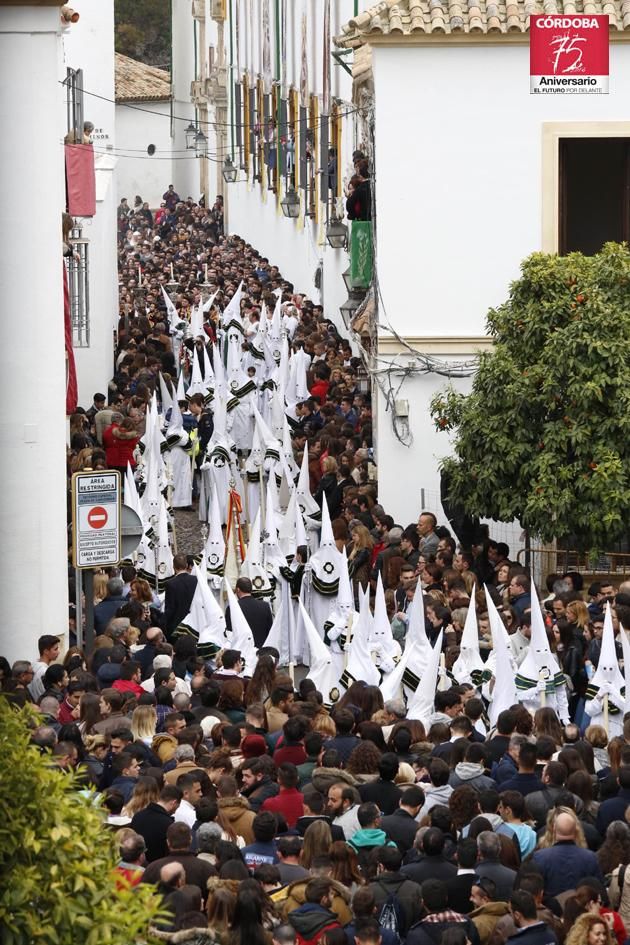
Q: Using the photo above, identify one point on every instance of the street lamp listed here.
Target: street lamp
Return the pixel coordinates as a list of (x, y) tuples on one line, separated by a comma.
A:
[(191, 134), (229, 171), (337, 233), (349, 307), (201, 144), (291, 204), (347, 279)]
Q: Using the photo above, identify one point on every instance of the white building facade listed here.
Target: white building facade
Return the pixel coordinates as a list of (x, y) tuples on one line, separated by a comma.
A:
[(469, 173), (143, 131), (271, 99), (88, 45)]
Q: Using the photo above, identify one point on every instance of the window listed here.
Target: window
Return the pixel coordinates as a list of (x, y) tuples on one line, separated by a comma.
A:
[(74, 104), (78, 289), (593, 193)]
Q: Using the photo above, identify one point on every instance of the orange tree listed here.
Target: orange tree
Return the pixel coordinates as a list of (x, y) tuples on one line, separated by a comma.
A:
[(56, 856), (544, 435)]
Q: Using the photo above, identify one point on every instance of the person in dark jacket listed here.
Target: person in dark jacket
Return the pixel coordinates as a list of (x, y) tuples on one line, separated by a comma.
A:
[(110, 605), (390, 881), (530, 930), (153, 821), (178, 594), (257, 783), (439, 918), (526, 780), (615, 807), (179, 842), (383, 792), (315, 917), (344, 742), (402, 826), (459, 888), (432, 864), (489, 865), (564, 864), (257, 612)]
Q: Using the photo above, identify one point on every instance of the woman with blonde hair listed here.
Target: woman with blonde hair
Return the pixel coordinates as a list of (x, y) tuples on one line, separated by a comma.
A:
[(145, 792), (143, 723), (577, 614), (359, 557), (597, 737), (549, 837), (589, 929), (324, 725), (100, 588), (317, 842)]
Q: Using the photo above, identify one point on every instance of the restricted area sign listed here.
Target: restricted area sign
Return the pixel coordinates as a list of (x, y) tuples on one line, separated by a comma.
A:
[(96, 532)]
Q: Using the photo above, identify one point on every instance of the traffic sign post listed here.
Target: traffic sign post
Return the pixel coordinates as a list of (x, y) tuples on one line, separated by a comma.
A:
[(96, 531)]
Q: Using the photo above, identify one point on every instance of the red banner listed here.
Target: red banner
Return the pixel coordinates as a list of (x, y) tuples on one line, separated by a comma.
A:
[(72, 391), (80, 180), (568, 53)]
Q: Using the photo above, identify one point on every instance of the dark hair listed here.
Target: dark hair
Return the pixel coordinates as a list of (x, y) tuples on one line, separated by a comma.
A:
[(264, 826), (523, 902), (435, 895)]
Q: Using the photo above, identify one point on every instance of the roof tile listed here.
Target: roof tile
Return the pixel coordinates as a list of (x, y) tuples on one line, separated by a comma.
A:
[(407, 17), (138, 82)]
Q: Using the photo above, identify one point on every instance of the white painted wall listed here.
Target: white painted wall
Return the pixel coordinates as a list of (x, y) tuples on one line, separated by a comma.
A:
[(185, 170), (136, 172), (89, 45), (458, 175), (458, 200), (33, 576)]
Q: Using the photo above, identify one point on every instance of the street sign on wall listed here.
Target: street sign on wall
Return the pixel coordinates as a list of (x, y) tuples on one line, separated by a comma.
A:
[(96, 532), (568, 53)]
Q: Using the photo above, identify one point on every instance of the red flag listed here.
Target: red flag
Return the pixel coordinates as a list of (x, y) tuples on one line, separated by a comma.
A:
[(80, 180), (72, 393)]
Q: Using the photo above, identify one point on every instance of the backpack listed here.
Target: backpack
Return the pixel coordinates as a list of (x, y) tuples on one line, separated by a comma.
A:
[(392, 916)]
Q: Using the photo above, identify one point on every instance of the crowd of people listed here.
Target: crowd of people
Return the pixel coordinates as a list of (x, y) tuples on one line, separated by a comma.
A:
[(265, 811)]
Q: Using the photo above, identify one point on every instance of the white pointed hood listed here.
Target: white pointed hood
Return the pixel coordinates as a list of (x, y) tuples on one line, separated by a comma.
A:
[(539, 656), (181, 389), (196, 322), (231, 318), (412, 664), (197, 383), (269, 442), (207, 305), (132, 499), (215, 543), (253, 567), (286, 532), (273, 556), (164, 555), (174, 319), (360, 664), (345, 597), (625, 645), (469, 660), (165, 395), (420, 706), (321, 670), (241, 637), (276, 635), (176, 423), (381, 634), (326, 561), (504, 691), (608, 666), (205, 620)]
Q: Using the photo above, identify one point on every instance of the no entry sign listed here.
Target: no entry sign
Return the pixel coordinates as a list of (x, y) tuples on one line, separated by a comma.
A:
[(96, 519), (568, 53)]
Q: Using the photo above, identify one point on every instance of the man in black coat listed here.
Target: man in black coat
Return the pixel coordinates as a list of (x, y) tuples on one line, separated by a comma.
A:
[(383, 792), (432, 864), (257, 613), (153, 821), (402, 826), (179, 592)]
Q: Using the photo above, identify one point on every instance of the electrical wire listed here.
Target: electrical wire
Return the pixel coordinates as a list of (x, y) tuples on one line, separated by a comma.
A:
[(209, 122), (384, 377)]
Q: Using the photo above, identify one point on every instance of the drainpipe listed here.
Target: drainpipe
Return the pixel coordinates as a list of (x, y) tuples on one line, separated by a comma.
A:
[(231, 81), (278, 97)]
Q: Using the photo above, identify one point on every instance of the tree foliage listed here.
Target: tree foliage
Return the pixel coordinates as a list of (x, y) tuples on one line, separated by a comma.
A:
[(56, 857), (143, 30), (544, 436)]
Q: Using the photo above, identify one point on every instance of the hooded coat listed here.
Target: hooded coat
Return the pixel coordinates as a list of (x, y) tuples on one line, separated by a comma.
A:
[(236, 812), (293, 897), (471, 774)]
